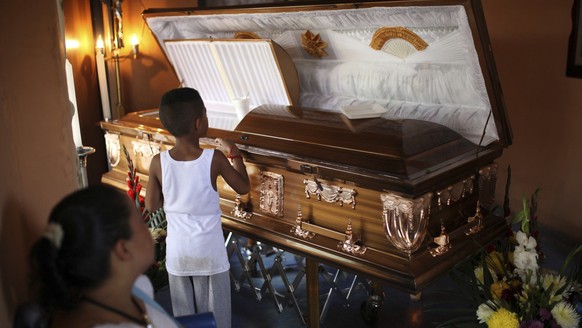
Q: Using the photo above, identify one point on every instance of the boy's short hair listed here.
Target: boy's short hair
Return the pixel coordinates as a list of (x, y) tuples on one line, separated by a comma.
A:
[(179, 109)]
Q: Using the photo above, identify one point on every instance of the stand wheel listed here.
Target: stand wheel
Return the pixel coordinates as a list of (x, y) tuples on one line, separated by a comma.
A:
[(370, 308)]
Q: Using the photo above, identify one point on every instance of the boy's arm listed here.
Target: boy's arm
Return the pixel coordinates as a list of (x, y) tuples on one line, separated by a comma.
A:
[(154, 198), (236, 174)]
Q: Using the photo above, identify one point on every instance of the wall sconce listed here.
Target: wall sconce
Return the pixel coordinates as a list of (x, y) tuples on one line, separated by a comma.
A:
[(101, 72), (134, 45), (114, 45), (100, 45)]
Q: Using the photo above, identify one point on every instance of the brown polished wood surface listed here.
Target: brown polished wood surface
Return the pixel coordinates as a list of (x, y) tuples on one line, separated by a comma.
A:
[(408, 156), (382, 261)]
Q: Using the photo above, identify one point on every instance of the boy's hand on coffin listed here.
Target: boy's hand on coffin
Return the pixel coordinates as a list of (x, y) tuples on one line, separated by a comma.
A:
[(227, 147)]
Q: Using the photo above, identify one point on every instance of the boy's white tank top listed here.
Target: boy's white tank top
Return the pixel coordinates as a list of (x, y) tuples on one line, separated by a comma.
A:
[(195, 241)]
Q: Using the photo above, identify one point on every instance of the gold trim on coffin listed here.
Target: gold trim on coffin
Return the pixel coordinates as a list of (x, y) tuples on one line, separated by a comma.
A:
[(350, 244), (113, 148), (238, 211), (382, 35), (330, 193), (405, 220), (246, 35), (487, 185), (443, 242), (298, 230), (455, 192), (313, 44), (271, 193), (144, 151)]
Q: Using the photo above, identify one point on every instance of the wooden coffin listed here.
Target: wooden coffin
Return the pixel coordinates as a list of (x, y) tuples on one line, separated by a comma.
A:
[(400, 196)]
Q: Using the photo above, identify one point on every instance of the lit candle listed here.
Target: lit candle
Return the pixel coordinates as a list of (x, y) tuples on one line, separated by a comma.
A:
[(73, 99), (102, 76), (134, 45)]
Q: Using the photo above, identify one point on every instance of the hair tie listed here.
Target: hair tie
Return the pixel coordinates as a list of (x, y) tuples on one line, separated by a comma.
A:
[(54, 233)]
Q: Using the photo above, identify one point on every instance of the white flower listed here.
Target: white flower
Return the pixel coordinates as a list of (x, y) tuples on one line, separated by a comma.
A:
[(484, 312), (531, 243), (565, 315), (525, 260), (521, 238), (526, 263), (525, 241), (557, 282)]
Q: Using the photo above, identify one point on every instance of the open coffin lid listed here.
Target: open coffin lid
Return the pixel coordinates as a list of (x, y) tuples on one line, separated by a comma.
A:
[(419, 60), (224, 70)]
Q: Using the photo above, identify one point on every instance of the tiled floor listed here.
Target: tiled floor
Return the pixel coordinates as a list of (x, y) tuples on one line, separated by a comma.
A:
[(397, 309)]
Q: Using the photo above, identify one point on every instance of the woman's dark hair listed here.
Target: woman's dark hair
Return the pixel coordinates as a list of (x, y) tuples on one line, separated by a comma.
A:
[(92, 220), (179, 108)]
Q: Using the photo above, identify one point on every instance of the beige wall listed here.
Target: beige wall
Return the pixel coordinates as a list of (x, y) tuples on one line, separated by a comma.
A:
[(38, 161), (530, 41)]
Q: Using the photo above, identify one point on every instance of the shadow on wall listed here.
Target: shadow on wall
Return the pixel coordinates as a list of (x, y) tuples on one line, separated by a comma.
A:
[(16, 238)]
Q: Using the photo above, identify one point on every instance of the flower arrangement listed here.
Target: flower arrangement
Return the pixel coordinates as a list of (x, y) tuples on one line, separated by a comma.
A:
[(156, 222), (134, 186), (507, 287)]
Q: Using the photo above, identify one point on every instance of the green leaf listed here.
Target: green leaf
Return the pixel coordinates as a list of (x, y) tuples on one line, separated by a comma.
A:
[(569, 258), (525, 206), (518, 218)]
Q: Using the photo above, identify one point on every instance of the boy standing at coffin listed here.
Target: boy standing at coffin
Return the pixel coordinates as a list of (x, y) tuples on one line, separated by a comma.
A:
[(183, 181)]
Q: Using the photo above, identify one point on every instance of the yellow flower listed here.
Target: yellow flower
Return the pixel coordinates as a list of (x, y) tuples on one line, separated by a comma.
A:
[(158, 233), (497, 288), (503, 319), (495, 262), (480, 276), (556, 282), (565, 315)]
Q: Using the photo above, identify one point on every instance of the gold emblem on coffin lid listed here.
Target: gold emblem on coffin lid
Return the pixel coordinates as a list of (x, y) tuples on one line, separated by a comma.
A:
[(398, 41), (313, 44)]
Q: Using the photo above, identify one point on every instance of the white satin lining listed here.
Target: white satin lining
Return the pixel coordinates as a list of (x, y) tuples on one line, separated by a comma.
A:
[(442, 83)]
